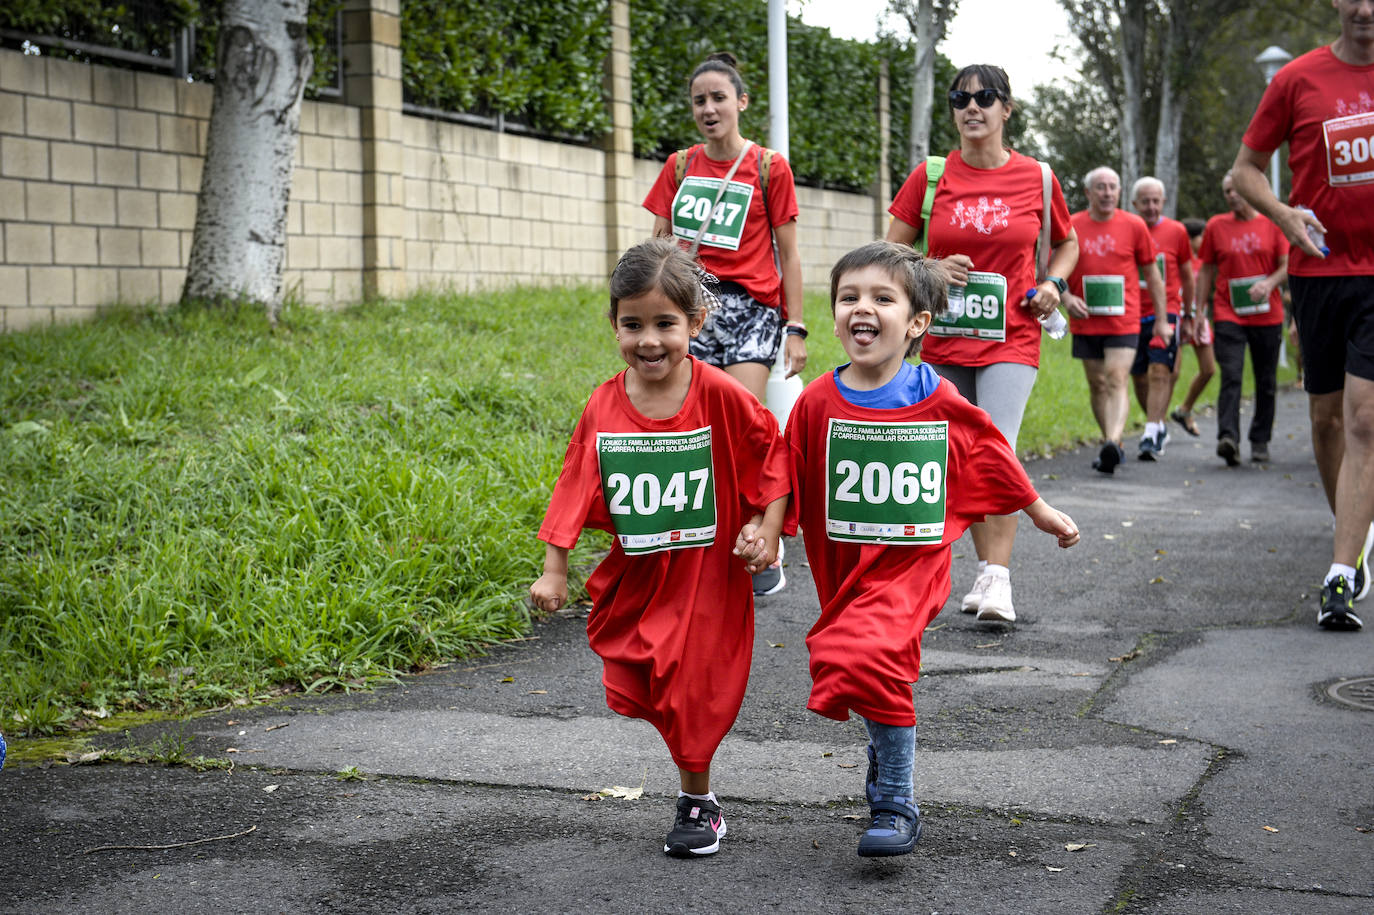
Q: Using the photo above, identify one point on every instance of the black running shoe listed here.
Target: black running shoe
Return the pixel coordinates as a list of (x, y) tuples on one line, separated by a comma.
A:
[(696, 830), (894, 829), (1259, 452), (1361, 586), (1107, 458), (1228, 451), (1336, 608)]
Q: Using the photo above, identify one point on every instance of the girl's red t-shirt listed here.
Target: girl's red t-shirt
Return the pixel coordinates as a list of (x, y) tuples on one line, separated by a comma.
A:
[(993, 216), (674, 628), (739, 244)]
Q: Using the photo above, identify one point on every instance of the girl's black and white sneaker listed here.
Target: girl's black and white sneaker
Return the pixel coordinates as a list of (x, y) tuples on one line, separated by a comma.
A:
[(696, 830)]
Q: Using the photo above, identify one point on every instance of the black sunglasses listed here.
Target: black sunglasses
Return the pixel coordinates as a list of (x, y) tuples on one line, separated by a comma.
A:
[(959, 99)]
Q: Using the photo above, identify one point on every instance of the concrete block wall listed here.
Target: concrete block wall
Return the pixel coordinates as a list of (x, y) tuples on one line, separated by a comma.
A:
[(100, 170)]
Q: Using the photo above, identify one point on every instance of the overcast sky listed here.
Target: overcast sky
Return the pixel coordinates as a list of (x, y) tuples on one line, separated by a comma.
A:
[(1018, 37)]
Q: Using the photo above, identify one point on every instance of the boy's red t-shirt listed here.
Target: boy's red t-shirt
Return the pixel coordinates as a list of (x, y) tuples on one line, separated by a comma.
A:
[(1324, 108), (877, 599), (1170, 239), (1241, 250), (1116, 247), (675, 628), (743, 252), (993, 216)]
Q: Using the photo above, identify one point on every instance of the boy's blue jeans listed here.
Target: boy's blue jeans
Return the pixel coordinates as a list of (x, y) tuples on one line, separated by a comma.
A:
[(896, 751)]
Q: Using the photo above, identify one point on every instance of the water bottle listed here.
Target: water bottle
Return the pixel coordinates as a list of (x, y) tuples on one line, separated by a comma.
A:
[(1054, 322), (1315, 234)]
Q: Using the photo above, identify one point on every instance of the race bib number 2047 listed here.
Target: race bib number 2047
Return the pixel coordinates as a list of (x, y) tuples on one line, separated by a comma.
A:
[(885, 482), (658, 489)]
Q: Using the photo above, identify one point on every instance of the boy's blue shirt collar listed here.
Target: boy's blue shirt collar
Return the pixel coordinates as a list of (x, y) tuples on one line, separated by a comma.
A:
[(911, 385)]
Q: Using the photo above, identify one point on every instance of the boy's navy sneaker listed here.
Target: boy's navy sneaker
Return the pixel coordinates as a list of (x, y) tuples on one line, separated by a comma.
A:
[(1361, 583), (697, 828), (1335, 611), (894, 829)]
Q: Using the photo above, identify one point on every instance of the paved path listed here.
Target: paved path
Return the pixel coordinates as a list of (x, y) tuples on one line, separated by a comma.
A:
[(1160, 708)]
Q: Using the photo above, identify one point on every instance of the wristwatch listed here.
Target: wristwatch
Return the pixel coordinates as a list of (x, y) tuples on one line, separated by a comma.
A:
[(1059, 283)]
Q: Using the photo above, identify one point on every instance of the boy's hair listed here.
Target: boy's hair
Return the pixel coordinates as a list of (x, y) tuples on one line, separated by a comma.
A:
[(720, 62), (1194, 226), (659, 264), (921, 278)]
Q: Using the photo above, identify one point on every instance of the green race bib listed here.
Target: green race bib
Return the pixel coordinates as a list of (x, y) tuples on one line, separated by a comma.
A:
[(885, 482), (692, 206), (658, 488), (1240, 296), (976, 310), (1159, 265), (1105, 295)]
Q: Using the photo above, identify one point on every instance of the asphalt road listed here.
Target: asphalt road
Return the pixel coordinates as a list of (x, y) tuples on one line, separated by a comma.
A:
[(1155, 735)]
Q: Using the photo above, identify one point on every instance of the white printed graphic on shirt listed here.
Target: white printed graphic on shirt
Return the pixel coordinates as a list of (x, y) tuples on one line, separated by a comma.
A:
[(983, 216)]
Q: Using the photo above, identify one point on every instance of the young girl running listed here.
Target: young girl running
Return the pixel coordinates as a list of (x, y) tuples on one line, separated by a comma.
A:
[(687, 469)]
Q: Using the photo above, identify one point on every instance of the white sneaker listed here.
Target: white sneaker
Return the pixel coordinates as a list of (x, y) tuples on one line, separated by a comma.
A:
[(974, 598), (996, 606)]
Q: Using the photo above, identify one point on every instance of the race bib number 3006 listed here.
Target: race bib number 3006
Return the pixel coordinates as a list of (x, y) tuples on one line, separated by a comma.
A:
[(658, 489), (885, 482)]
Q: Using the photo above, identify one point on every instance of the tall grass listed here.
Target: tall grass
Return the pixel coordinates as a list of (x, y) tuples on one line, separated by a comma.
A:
[(195, 506)]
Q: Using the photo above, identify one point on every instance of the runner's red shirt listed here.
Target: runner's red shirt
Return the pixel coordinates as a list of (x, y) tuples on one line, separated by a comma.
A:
[(1117, 247), (1170, 239), (1324, 108), (1243, 250), (993, 216), (751, 263)]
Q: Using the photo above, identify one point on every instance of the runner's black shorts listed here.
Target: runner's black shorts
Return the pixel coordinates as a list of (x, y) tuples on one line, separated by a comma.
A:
[(1095, 346), (1335, 318), (743, 329)]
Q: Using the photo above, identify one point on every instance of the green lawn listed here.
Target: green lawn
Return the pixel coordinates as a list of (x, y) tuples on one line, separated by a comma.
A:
[(197, 508)]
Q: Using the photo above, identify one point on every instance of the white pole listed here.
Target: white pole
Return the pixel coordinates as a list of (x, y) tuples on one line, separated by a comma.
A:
[(777, 76)]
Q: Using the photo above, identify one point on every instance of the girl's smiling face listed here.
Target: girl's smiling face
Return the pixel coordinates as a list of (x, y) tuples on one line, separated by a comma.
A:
[(653, 334)]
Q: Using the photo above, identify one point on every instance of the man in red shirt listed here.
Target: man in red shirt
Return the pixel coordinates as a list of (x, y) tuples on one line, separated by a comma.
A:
[(1322, 105), (1153, 371), (1103, 302), (1244, 261)]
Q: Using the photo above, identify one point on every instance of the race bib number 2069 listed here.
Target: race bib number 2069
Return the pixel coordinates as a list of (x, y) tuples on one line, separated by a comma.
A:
[(658, 488), (885, 482)]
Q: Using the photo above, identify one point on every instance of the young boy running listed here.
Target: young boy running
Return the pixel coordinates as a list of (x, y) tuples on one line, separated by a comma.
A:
[(890, 465)]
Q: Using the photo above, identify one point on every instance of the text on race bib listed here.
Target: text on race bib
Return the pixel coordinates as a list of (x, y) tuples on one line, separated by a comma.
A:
[(1105, 295), (721, 227), (885, 482), (658, 488), (976, 310), (1349, 149), (1241, 303)]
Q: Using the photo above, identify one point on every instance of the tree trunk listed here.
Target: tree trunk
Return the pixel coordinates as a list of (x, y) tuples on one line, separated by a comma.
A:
[(1172, 101), (239, 246), (1131, 47), (923, 83)]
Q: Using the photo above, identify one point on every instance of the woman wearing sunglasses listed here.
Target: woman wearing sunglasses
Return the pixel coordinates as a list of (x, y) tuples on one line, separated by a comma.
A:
[(984, 222)]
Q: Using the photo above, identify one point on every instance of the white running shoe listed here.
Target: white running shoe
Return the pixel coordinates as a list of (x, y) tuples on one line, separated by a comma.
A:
[(974, 598), (996, 606)]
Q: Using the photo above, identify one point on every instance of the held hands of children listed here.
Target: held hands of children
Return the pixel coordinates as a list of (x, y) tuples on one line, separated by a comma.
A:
[(756, 545), (1052, 521)]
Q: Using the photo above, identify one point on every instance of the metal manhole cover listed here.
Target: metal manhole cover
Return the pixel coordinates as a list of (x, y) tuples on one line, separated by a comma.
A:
[(1356, 693)]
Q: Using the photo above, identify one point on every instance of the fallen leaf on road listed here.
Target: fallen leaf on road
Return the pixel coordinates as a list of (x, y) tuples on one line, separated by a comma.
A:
[(627, 794), (775, 644), (1012, 853), (1157, 580), (1109, 536), (507, 679), (852, 816), (231, 749), (591, 797), (1053, 870), (1078, 846), (270, 788), (274, 727), (1127, 523), (826, 753), (537, 692), (988, 645), (815, 843), (847, 765), (1128, 656), (1269, 829), (1170, 740)]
